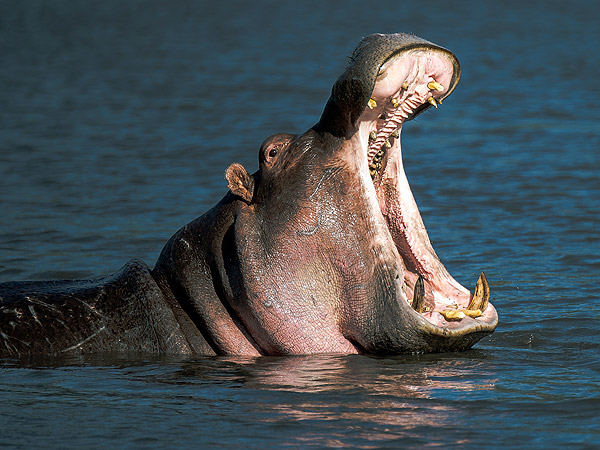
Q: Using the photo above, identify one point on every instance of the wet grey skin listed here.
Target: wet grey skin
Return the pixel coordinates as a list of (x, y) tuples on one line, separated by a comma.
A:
[(322, 250)]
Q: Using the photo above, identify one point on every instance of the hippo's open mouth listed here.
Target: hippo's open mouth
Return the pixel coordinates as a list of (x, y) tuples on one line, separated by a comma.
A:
[(406, 84)]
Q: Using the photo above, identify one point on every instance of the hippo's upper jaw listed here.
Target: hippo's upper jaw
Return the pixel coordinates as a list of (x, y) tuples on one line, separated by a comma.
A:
[(397, 77)]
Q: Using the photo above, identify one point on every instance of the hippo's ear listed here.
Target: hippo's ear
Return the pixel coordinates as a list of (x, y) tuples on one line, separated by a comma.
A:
[(240, 182)]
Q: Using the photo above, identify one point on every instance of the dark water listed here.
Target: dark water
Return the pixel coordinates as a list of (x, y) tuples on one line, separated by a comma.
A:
[(117, 122)]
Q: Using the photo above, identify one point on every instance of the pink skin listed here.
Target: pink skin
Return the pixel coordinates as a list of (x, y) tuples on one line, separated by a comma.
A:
[(299, 313)]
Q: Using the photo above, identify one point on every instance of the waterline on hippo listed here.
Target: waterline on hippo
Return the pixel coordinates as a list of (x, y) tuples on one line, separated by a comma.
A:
[(322, 250)]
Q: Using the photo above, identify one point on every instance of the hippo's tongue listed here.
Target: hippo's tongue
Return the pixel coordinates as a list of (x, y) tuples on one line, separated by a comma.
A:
[(405, 83)]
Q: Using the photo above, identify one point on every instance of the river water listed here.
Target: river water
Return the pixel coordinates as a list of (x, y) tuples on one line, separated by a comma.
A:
[(117, 122)]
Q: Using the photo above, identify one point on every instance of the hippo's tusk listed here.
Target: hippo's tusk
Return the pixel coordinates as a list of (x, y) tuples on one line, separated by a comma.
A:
[(432, 101), (481, 295), (418, 302), (372, 104), (435, 86), (472, 312)]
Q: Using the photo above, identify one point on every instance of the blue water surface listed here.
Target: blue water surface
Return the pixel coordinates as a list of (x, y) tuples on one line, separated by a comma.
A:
[(117, 123)]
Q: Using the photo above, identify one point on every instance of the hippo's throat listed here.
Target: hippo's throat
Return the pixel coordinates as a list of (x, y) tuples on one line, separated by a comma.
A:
[(404, 84)]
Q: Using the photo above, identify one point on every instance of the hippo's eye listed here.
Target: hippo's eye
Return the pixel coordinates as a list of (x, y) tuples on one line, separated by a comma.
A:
[(273, 152)]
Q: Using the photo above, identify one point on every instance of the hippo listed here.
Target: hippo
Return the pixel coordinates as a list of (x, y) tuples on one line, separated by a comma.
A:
[(321, 251)]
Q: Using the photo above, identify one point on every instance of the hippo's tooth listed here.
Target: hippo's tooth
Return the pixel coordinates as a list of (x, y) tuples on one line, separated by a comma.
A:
[(372, 103), (387, 144), (395, 102), (405, 85), (418, 303), (481, 295), (453, 314), (472, 313), (373, 135), (432, 101), (396, 133), (435, 86)]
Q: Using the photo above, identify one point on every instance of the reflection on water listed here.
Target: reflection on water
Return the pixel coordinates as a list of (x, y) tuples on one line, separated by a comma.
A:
[(274, 402), (391, 396), (324, 373)]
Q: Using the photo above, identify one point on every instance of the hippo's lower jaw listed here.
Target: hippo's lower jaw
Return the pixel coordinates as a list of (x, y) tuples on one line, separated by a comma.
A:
[(406, 84)]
